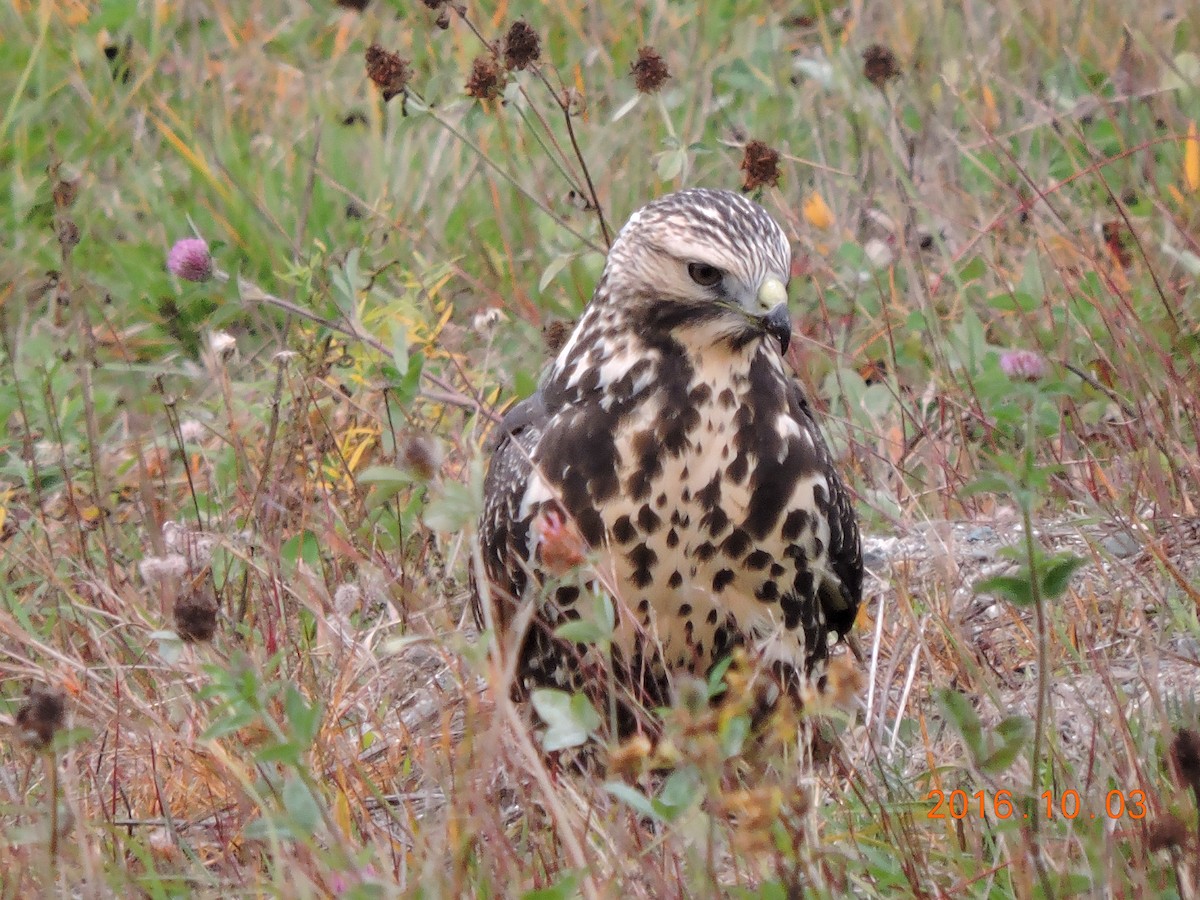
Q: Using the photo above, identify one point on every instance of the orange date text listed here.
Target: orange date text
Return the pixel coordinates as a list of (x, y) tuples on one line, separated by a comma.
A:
[(1066, 805)]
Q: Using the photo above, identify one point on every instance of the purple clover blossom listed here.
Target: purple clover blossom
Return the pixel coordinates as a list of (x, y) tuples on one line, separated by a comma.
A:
[(190, 260), (1023, 365)]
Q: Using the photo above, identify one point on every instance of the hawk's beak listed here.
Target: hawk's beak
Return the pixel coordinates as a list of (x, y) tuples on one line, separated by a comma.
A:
[(772, 295)]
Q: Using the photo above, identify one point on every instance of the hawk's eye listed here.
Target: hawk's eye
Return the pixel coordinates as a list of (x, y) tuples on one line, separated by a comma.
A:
[(704, 274)]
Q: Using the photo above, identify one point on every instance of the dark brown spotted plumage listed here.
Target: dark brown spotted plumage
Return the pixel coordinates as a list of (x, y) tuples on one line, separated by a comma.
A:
[(671, 433)]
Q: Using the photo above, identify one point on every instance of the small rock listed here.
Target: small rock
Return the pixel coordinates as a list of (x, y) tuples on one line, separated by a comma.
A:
[(1121, 545), (874, 559)]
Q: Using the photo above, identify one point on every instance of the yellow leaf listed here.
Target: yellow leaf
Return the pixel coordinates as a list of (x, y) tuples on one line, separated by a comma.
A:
[(1191, 158), (341, 814), (991, 115), (817, 211)]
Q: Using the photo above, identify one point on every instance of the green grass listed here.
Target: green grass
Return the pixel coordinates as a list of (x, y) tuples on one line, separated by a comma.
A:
[(1023, 184)]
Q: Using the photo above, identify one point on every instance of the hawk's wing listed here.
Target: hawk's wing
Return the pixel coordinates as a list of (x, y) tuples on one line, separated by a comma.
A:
[(839, 599), (504, 536)]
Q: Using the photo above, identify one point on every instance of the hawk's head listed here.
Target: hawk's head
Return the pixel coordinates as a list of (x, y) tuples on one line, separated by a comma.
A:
[(706, 261)]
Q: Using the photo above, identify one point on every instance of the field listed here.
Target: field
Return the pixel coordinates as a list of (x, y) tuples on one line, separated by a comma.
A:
[(238, 485)]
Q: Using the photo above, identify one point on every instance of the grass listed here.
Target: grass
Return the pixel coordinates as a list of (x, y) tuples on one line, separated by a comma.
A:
[(295, 448)]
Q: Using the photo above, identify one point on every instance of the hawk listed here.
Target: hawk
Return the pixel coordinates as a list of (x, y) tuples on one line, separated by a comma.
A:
[(670, 439)]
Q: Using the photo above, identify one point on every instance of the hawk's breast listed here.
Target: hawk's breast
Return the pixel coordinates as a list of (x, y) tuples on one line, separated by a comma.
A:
[(712, 533)]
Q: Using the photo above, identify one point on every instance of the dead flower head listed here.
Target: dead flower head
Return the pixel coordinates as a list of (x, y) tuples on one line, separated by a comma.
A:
[(522, 46), (555, 334), (1165, 833), (649, 71), (761, 165), (196, 611), (487, 78), (879, 65), (388, 70), (1185, 759), (41, 715)]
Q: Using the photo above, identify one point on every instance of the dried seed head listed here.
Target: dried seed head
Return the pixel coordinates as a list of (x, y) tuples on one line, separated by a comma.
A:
[(190, 260), (761, 165), (421, 454), (65, 192), (1167, 832), (487, 78), (68, 235), (879, 65), (631, 759), (843, 681), (649, 71), (41, 715), (388, 70), (196, 611), (555, 334), (1185, 759), (522, 46)]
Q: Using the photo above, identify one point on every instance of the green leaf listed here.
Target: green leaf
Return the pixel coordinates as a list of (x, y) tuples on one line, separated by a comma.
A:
[(634, 799), (716, 677), (301, 806), (304, 717), (669, 163), (1013, 732), (564, 889), (581, 631), (1058, 574), (303, 546), (959, 710), (1015, 589), (456, 507), (972, 269), (733, 734), (569, 719), (679, 792)]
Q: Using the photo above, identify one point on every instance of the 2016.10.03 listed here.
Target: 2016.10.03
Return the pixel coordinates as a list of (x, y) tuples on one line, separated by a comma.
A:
[(999, 805)]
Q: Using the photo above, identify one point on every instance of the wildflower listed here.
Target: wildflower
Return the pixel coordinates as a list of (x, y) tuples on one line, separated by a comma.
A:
[(192, 431), (190, 260), (761, 165), (649, 71), (486, 320), (41, 715), (522, 46), (347, 598), (560, 545), (388, 70), (1023, 365), (487, 78), (879, 65), (160, 569)]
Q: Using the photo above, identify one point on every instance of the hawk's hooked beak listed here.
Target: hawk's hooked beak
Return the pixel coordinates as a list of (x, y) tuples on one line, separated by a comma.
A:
[(772, 296)]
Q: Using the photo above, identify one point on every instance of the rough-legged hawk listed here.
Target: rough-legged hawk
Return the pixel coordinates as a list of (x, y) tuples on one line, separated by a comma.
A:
[(671, 440)]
